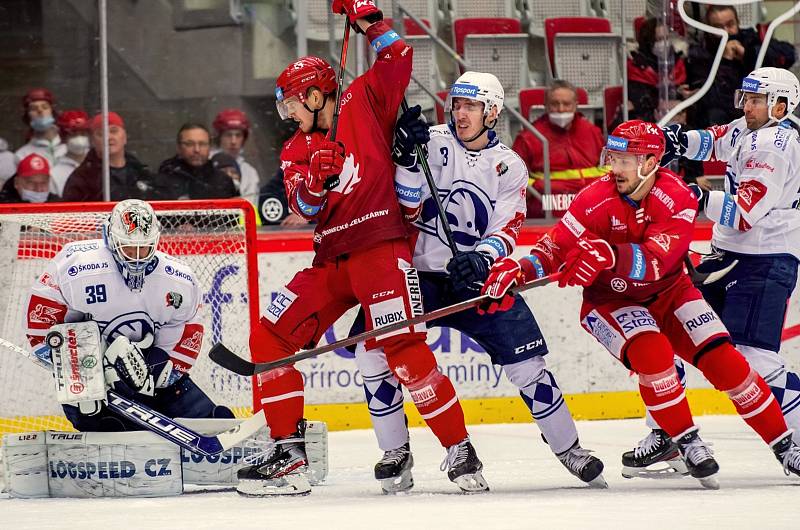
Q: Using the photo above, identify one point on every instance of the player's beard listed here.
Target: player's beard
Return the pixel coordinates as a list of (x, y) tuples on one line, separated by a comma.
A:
[(625, 186)]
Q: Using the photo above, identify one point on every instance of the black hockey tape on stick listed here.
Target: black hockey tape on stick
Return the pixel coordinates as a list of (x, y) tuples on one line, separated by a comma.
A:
[(164, 426), (333, 181), (704, 278), (224, 357), (426, 169)]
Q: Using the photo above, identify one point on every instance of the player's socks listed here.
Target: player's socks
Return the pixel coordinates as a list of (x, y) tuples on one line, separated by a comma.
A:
[(280, 393)]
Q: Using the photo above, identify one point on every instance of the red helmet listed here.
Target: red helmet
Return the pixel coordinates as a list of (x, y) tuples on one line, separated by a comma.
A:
[(38, 94), (72, 121), (298, 77), (637, 137), (231, 119)]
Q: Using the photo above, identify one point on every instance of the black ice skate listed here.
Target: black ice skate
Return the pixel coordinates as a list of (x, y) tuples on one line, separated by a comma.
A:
[(788, 453), (394, 470), (464, 467), (280, 472), (586, 467), (656, 456), (698, 459)]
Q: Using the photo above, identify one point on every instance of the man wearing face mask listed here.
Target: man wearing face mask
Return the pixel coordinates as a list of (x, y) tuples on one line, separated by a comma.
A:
[(130, 179), (30, 184), (39, 114), (74, 127), (575, 145), (738, 59)]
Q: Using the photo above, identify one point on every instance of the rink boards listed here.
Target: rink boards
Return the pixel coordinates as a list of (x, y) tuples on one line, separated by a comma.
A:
[(596, 385)]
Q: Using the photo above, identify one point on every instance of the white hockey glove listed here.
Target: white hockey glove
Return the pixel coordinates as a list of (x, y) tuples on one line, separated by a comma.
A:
[(124, 361)]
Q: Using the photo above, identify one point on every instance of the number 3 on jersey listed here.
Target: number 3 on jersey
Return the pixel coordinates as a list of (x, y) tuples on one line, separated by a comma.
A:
[(96, 293)]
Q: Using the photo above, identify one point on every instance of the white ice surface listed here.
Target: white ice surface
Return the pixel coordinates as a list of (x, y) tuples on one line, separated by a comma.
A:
[(529, 489)]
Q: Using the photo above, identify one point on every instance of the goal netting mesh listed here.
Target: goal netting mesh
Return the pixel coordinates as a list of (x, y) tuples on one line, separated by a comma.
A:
[(216, 238)]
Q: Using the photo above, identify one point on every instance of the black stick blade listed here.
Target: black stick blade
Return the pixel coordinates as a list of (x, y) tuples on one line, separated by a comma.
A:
[(229, 360)]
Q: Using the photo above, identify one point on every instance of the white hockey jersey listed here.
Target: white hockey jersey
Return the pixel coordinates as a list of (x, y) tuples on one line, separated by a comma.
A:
[(758, 211), (483, 194), (83, 283)]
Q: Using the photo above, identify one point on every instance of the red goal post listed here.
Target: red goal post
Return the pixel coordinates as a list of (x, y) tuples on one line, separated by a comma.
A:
[(216, 238)]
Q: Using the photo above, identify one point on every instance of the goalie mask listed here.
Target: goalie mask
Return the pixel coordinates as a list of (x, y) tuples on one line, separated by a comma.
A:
[(131, 233), (775, 83), (478, 86)]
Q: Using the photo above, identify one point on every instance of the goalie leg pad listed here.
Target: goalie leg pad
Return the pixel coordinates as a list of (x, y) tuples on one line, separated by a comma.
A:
[(24, 459)]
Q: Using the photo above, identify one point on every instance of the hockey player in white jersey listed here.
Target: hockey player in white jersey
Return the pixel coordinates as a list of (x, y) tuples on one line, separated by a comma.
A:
[(481, 183), (756, 235), (145, 304)]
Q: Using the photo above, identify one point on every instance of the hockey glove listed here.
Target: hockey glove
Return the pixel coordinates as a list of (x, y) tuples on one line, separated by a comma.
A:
[(410, 131), (504, 274), (677, 143), (326, 164), (356, 9), (468, 270), (124, 361), (701, 196), (585, 262)]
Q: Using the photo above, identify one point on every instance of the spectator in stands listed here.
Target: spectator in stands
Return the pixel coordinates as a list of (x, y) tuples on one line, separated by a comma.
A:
[(39, 114), (31, 182), (73, 125), (232, 130), (738, 59), (273, 208), (575, 145), (8, 162), (190, 174), (643, 73), (130, 179)]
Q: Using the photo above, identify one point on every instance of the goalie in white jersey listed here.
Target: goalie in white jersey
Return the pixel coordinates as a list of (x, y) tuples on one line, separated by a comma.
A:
[(481, 183), (145, 304), (756, 236)]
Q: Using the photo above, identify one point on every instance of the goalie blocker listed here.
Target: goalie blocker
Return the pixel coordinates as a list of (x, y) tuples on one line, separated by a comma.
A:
[(135, 464)]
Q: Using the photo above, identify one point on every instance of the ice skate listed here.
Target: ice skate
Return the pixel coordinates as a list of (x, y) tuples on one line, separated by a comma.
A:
[(280, 472), (464, 467), (394, 470), (656, 456), (586, 467), (698, 459), (788, 453)]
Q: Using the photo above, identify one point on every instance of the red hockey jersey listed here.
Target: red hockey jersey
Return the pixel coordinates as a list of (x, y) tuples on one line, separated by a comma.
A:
[(362, 210), (650, 239)]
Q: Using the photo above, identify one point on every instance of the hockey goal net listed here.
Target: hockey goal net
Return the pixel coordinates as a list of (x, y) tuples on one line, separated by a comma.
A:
[(216, 238)]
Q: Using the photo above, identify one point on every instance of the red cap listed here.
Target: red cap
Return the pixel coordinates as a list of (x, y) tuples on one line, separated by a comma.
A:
[(72, 121), (113, 119), (37, 94), (231, 119), (33, 164)]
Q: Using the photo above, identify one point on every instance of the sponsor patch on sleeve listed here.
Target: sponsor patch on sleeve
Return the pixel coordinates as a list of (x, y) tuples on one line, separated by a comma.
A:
[(43, 312), (572, 224)]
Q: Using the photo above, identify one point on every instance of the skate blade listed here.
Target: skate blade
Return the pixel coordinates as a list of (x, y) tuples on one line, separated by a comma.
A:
[(288, 485), (668, 469), (400, 484), (709, 483), (472, 483), (598, 482)]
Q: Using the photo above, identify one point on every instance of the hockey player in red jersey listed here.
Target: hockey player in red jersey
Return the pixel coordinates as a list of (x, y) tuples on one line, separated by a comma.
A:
[(624, 239), (362, 254)]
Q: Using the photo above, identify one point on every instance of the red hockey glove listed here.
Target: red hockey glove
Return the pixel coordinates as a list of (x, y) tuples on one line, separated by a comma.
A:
[(355, 9), (504, 274), (327, 161), (586, 261)]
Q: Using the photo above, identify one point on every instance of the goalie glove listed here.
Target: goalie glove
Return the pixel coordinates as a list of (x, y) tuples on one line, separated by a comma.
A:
[(124, 361)]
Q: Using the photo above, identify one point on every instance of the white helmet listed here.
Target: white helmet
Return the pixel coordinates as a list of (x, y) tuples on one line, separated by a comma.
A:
[(775, 83), (131, 234), (479, 86)]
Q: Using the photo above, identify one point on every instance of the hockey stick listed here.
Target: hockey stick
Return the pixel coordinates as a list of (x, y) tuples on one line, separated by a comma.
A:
[(426, 169), (704, 278), (333, 181), (229, 360), (164, 426)]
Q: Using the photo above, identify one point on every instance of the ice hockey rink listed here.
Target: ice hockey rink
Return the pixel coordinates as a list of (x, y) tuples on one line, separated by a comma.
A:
[(529, 489)]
